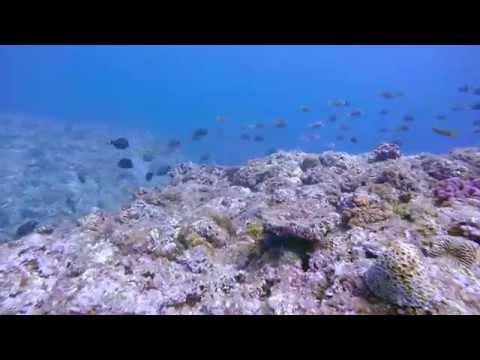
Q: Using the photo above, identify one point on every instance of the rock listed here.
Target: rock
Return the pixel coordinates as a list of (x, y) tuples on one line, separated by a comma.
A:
[(386, 151), (399, 277)]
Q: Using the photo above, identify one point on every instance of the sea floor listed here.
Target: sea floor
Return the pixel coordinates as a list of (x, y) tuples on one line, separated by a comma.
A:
[(289, 233)]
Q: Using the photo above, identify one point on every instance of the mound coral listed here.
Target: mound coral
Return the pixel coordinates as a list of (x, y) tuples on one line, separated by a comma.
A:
[(386, 151), (466, 252), (399, 277)]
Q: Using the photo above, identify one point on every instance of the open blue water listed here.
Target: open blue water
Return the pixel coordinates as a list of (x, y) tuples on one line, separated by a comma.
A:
[(151, 94)]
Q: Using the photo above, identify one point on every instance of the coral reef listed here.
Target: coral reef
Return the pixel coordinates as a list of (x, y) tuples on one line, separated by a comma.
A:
[(290, 233), (386, 151)]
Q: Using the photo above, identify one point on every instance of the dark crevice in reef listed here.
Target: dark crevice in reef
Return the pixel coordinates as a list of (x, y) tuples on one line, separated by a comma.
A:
[(277, 246)]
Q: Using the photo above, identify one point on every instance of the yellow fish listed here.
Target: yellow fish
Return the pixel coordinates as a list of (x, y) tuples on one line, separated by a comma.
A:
[(444, 132)]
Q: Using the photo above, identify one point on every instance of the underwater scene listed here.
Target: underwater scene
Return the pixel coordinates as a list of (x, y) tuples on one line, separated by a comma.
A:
[(240, 180)]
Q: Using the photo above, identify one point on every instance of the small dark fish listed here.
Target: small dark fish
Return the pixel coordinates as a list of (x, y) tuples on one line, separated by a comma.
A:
[(259, 125), (205, 158), (340, 138), (26, 228), (173, 144), (383, 112), (120, 143), (476, 91), (148, 157), (280, 124), (125, 163), (199, 134), (391, 94), (356, 113), (81, 177), (403, 128), (464, 88), (305, 109), (163, 170), (316, 125), (441, 117), (149, 176), (344, 127), (353, 140), (444, 132), (271, 151), (339, 103), (384, 130), (476, 106), (258, 138), (245, 137), (408, 118), (332, 118)]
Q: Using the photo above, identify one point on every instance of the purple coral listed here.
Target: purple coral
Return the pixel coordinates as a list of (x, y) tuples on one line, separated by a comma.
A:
[(456, 187), (386, 151)]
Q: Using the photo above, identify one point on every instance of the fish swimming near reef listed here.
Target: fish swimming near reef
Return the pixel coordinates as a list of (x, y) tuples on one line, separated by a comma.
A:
[(120, 143), (173, 144), (125, 163), (149, 176), (332, 118), (258, 138), (199, 134), (305, 109), (353, 139), (356, 113), (280, 123), (444, 132), (339, 103), (408, 118), (391, 94), (316, 125)]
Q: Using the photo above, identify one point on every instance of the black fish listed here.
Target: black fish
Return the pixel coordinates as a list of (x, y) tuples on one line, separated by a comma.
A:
[(391, 94), (125, 163), (408, 118), (199, 133), (245, 137), (356, 113), (205, 158), (258, 138), (162, 171), (26, 228), (148, 157), (353, 140), (403, 128), (271, 151), (332, 118), (304, 109), (463, 88), (149, 176), (120, 143), (344, 127), (280, 124), (172, 144), (81, 177)]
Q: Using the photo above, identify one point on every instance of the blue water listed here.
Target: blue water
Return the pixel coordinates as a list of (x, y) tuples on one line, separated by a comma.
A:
[(170, 90), (61, 105)]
